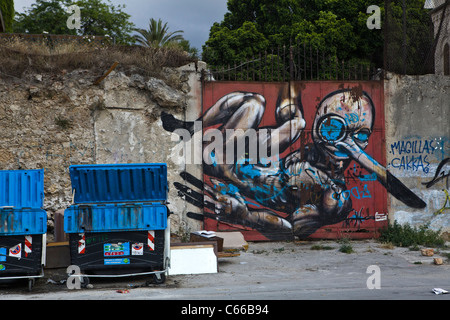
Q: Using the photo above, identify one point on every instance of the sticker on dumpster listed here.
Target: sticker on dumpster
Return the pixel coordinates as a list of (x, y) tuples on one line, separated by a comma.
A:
[(2, 267), (116, 249), (137, 249), (82, 244), (2, 254), (28, 245), (151, 240), (16, 251), (116, 261)]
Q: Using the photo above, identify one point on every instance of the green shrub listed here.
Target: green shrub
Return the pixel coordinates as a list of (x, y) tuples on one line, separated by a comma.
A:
[(321, 247), (407, 236), (345, 247)]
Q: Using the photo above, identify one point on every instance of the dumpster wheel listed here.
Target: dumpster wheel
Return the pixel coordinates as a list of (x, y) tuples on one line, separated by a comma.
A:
[(159, 278), (31, 282), (84, 282)]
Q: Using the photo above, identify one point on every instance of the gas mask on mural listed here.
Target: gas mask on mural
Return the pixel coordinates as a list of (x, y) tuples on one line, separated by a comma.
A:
[(341, 130), (343, 125)]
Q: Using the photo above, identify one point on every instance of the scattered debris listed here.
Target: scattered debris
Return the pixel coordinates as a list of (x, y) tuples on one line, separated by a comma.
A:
[(107, 73), (438, 261), (51, 281), (427, 252), (439, 291), (205, 233), (224, 250), (123, 291)]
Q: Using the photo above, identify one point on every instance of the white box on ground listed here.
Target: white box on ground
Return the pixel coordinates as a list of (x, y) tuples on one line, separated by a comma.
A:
[(192, 259)]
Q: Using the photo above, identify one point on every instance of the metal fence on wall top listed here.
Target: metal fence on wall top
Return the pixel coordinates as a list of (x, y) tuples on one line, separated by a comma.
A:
[(299, 62)]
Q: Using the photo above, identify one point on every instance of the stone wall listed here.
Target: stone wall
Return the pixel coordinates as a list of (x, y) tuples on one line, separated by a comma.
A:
[(52, 121), (417, 112)]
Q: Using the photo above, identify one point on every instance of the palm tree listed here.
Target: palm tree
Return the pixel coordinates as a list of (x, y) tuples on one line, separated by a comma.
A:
[(157, 35)]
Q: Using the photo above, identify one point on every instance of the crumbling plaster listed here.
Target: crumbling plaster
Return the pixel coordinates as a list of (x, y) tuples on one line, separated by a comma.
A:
[(54, 121)]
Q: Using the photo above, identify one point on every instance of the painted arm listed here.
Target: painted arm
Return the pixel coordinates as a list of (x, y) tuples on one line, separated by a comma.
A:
[(233, 209)]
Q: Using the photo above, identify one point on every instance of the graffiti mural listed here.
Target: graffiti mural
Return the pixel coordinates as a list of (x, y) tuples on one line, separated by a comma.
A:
[(442, 173), (308, 161)]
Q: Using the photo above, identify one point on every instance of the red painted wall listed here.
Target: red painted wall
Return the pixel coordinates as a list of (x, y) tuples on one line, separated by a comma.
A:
[(362, 218)]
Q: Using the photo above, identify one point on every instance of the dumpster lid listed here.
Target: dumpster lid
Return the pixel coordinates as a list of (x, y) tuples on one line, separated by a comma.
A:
[(22, 188), (119, 182)]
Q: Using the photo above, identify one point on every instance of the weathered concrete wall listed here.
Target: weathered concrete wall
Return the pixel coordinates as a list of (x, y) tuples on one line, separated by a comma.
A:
[(417, 111), (54, 121)]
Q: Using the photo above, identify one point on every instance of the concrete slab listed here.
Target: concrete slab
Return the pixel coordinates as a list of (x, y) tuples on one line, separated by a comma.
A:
[(233, 241)]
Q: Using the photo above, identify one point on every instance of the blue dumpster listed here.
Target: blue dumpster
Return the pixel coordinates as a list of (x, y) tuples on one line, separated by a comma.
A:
[(118, 222), (23, 225)]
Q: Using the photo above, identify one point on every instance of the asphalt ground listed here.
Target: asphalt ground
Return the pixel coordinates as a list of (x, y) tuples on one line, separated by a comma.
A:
[(270, 271)]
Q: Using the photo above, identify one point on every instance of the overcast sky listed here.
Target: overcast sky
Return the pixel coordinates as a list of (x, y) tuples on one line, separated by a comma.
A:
[(194, 17)]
